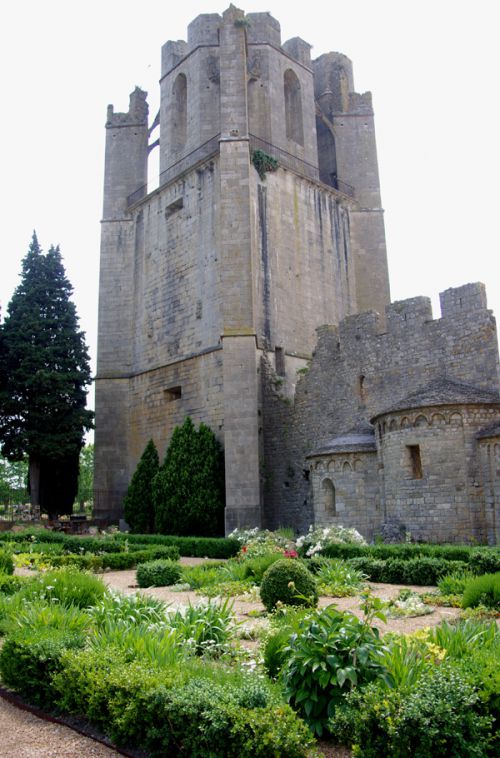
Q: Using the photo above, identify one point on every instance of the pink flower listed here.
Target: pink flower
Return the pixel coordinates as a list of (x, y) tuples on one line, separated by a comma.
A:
[(244, 549), (290, 553)]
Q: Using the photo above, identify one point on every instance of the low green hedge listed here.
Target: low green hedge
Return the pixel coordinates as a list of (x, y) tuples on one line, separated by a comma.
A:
[(199, 547), (196, 547), (480, 559), (30, 657), (420, 571), (176, 712)]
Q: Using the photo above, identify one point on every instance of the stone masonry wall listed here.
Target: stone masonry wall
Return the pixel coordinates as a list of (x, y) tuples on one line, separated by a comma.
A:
[(358, 371), (445, 503)]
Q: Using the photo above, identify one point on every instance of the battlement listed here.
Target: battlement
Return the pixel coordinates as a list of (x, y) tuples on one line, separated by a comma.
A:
[(461, 301), (299, 50), (137, 114), (360, 326), (204, 30), (408, 314), (172, 53), (360, 103), (263, 29)]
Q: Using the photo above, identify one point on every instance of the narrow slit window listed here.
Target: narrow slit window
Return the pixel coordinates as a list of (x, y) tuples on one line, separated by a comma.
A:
[(279, 359), (415, 461)]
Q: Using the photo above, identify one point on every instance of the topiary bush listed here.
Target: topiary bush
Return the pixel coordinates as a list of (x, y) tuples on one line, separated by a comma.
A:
[(188, 491), (289, 582), (138, 503), (160, 573), (482, 590)]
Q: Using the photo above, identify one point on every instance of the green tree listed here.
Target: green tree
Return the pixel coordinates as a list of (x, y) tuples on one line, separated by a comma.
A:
[(13, 481), (86, 476), (138, 503), (45, 371), (188, 491)]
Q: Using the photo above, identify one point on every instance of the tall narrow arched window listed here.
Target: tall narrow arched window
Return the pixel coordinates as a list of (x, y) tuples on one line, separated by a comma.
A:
[(328, 496), (179, 112), (293, 107)]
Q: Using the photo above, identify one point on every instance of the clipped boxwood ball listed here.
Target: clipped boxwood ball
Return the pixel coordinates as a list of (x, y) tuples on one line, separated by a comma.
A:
[(288, 582), (159, 573)]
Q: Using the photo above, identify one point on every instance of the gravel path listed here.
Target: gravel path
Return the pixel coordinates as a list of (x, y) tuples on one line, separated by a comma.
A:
[(23, 735)]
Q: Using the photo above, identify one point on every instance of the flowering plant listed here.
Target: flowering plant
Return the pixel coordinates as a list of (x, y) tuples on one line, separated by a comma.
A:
[(257, 542), (318, 537)]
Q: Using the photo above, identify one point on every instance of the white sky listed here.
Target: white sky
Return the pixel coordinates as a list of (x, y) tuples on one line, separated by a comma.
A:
[(432, 66)]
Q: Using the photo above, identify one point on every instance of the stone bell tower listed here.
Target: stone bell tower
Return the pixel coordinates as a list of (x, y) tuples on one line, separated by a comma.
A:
[(220, 265)]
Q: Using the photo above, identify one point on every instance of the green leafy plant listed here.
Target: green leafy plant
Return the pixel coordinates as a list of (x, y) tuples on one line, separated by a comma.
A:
[(133, 609), (6, 562), (331, 654), (482, 590), (160, 573), (205, 628), (407, 604), (68, 587), (263, 163), (138, 502), (188, 491), (336, 578), (461, 638), (288, 582)]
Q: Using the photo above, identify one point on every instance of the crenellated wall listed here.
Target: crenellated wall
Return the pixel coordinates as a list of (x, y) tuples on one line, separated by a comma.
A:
[(360, 369)]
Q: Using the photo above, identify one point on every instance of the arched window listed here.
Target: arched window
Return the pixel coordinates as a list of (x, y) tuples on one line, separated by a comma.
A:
[(179, 112), (328, 493), (293, 107)]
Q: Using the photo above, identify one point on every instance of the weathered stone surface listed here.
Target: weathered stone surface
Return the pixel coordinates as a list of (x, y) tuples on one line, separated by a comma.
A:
[(215, 288)]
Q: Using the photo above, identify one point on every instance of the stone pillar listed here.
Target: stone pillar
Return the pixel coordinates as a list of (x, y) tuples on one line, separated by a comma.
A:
[(237, 243)]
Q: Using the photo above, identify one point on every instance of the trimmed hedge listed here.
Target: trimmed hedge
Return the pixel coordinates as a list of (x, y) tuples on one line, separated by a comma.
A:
[(421, 571), (161, 573), (479, 558), (198, 547), (195, 547), (30, 657)]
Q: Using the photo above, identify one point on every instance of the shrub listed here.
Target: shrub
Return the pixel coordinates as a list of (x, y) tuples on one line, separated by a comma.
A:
[(256, 542), (29, 658), (160, 573), (482, 590), (330, 655), (485, 561), (198, 547), (188, 491), (138, 502), (421, 571), (203, 718), (287, 581), (6, 562)]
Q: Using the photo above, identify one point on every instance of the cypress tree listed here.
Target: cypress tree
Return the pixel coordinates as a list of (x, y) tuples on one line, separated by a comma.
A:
[(188, 491), (138, 503), (45, 371)]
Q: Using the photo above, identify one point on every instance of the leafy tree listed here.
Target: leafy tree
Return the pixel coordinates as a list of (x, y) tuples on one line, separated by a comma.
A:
[(86, 476), (45, 371), (138, 503), (188, 491), (13, 481)]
